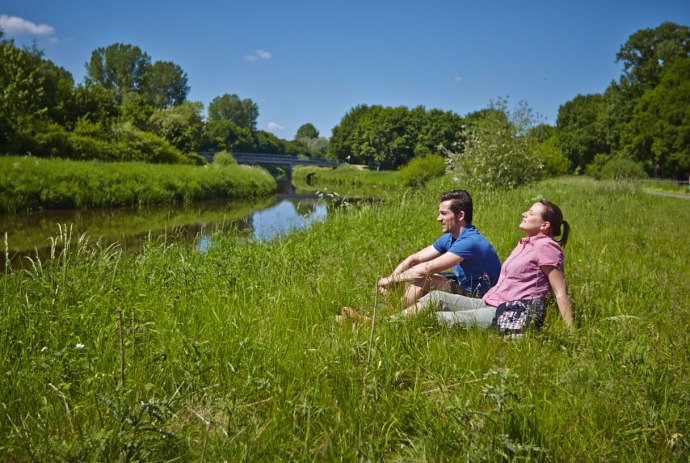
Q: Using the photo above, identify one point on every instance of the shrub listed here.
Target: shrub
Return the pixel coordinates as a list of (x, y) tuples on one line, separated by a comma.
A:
[(615, 168), (421, 169), (497, 153), (223, 158), (554, 160)]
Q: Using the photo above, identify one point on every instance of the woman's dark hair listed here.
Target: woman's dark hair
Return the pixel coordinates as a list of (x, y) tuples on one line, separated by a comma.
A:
[(460, 200), (554, 216)]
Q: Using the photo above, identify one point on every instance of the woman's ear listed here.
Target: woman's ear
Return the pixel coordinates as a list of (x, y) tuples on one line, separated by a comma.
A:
[(546, 226)]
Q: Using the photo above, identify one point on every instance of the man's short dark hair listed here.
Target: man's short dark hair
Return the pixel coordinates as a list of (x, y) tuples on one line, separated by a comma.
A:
[(460, 200)]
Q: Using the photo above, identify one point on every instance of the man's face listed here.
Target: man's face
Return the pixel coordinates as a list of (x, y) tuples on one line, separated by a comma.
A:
[(450, 222)]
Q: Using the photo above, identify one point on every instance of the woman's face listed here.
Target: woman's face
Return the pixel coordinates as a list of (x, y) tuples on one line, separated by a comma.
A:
[(532, 221)]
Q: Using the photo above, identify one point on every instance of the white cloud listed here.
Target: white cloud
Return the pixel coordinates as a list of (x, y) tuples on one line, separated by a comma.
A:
[(260, 54), (12, 25), (263, 54), (457, 79), (274, 127)]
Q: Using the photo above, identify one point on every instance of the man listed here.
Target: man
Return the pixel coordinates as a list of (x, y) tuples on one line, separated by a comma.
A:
[(474, 260)]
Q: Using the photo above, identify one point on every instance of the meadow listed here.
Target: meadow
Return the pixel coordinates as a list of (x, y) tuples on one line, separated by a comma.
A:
[(28, 183), (234, 355), (344, 177)]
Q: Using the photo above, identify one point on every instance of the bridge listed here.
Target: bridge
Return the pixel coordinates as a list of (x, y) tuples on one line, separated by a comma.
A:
[(288, 160), (281, 159)]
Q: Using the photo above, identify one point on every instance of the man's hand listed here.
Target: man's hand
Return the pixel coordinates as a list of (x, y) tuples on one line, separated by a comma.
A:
[(382, 283)]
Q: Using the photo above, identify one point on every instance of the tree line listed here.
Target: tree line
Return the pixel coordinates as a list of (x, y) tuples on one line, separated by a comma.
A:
[(127, 109), (132, 108)]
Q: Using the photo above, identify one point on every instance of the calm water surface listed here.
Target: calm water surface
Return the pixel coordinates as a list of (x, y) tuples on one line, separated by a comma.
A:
[(29, 235)]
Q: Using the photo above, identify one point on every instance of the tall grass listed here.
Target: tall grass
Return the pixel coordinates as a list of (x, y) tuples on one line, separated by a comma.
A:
[(234, 354), (28, 183)]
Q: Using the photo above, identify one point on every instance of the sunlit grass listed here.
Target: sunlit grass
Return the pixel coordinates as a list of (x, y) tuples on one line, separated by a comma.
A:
[(234, 354), (28, 183)]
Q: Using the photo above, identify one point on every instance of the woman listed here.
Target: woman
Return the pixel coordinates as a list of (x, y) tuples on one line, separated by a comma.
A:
[(533, 269)]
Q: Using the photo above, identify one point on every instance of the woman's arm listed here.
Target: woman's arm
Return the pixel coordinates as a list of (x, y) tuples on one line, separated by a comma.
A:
[(560, 290)]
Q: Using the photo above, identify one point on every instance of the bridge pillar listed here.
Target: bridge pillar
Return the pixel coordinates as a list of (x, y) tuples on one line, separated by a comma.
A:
[(288, 174)]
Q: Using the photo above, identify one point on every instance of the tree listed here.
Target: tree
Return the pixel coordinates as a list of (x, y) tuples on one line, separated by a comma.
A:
[(231, 108), (306, 131), (223, 135), (580, 134), (165, 84), (34, 93), (659, 130), (266, 142), (439, 128), (341, 145), (182, 125), (648, 51), (118, 67), (95, 104)]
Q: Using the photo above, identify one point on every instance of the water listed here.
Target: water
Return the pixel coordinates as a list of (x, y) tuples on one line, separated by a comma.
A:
[(29, 235)]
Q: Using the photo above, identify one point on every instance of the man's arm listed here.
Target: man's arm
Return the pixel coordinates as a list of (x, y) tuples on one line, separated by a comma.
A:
[(425, 255), (416, 267)]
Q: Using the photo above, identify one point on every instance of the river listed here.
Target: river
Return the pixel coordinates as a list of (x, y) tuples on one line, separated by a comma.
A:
[(30, 234)]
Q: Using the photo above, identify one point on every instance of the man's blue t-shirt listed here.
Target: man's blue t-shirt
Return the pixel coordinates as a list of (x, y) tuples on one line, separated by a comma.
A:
[(480, 267)]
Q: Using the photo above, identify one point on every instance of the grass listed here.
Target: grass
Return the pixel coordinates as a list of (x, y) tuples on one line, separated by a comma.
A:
[(28, 183), (234, 354), (344, 178), (667, 186)]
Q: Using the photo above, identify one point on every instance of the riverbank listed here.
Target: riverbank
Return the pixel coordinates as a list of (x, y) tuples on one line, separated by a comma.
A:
[(233, 353), (28, 183)]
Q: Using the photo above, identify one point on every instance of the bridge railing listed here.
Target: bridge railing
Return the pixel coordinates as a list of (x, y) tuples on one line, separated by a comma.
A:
[(290, 159)]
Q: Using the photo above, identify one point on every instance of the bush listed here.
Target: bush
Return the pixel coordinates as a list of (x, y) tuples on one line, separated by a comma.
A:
[(497, 153), (421, 169), (615, 168), (223, 158), (554, 161)]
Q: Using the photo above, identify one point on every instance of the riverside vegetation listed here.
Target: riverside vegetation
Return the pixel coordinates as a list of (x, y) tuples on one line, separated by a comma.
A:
[(233, 354), (28, 183)]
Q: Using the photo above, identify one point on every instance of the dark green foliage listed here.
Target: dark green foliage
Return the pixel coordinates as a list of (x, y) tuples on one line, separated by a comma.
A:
[(387, 137), (165, 85), (648, 52), (234, 109), (226, 135), (640, 116), (118, 67), (266, 142), (307, 131), (580, 130), (182, 126), (659, 131)]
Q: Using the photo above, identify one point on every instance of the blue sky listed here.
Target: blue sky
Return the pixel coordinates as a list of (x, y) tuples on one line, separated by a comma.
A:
[(312, 61)]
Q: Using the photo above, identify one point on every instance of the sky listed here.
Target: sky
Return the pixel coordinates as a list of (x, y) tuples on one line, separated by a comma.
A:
[(313, 61)]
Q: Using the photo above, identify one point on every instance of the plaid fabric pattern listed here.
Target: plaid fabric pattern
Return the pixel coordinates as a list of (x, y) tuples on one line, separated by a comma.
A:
[(515, 316)]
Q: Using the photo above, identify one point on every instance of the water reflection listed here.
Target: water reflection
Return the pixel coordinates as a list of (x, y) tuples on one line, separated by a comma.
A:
[(29, 235), (285, 217)]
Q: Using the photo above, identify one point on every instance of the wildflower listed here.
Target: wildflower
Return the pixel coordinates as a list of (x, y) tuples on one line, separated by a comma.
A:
[(79, 346)]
